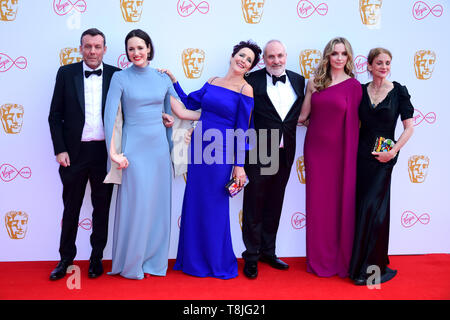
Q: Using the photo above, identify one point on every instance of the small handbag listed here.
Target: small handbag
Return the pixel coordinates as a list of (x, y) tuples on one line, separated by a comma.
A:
[(233, 188), (383, 145)]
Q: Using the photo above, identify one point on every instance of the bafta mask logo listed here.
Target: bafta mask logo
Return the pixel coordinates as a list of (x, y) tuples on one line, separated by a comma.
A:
[(370, 11), (424, 61), (309, 59), (252, 10), (300, 164), (193, 61), (16, 223), (418, 168), (69, 55), (12, 117), (131, 10), (8, 10)]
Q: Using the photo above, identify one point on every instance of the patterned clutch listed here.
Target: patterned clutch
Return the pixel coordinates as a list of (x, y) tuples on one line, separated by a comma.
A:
[(233, 188), (383, 145)]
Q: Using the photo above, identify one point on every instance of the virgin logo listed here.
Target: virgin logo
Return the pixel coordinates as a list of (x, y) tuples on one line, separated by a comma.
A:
[(409, 219), (298, 220), (305, 9), (63, 7), (360, 64), (260, 65), (7, 62), (421, 10), (419, 117), (186, 8), (85, 224), (122, 61), (9, 172)]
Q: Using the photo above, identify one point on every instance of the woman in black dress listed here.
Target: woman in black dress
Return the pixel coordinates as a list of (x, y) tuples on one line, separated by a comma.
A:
[(382, 103)]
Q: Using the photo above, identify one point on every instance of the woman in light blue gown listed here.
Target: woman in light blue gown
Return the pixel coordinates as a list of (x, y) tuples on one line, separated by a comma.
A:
[(143, 206)]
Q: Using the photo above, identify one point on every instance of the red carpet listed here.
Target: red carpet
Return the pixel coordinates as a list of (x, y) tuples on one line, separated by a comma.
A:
[(421, 277)]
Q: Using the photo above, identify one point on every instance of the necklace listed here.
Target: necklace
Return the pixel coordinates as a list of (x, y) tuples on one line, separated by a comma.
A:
[(376, 95)]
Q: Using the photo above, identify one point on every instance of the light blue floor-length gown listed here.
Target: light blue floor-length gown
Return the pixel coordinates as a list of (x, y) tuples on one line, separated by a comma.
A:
[(143, 208)]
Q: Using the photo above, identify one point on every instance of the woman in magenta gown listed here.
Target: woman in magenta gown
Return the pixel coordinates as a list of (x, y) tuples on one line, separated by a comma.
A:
[(330, 110), (204, 247)]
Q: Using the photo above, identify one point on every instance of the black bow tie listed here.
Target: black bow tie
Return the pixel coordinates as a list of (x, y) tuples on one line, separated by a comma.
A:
[(281, 78), (97, 72)]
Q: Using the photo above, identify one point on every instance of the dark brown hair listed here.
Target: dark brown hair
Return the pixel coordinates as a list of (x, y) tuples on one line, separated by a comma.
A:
[(144, 36), (93, 32), (252, 46)]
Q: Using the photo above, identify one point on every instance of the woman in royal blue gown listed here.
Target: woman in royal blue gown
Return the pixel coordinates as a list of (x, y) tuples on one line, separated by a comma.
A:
[(205, 248)]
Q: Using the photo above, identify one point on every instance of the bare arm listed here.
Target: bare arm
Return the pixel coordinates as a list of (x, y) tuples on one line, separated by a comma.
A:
[(306, 106), (181, 112)]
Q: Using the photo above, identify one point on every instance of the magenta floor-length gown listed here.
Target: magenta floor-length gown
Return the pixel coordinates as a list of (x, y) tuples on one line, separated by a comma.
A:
[(330, 150)]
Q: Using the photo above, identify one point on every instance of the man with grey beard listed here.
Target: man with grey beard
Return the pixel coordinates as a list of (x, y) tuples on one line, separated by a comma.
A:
[(278, 96)]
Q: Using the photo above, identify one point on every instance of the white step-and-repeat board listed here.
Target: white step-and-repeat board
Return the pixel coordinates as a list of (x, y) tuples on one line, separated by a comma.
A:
[(194, 39)]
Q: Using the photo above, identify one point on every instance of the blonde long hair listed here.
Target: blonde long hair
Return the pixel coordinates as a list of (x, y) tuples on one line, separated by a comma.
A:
[(322, 74)]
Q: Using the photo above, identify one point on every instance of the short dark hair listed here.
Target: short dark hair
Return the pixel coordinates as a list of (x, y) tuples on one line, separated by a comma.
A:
[(252, 46), (93, 32), (144, 36)]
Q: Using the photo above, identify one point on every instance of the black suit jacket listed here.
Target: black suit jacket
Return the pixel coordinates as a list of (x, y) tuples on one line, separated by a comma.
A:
[(265, 116), (66, 117)]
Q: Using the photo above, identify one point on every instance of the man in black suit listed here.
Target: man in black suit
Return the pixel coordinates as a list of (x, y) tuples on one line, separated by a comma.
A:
[(278, 96), (76, 127)]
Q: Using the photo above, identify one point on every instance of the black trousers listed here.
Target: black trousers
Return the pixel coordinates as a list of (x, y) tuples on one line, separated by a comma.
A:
[(263, 202), (89, 165)]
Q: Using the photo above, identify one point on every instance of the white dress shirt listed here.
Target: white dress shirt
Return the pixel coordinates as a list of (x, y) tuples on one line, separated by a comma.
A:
[(282, 96), (93, 124)]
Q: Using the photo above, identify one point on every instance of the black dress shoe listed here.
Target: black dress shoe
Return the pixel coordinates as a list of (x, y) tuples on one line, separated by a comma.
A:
[(274, 262), (95, 269), (251, 269), (61, 270), (360, 281), (388, 275)]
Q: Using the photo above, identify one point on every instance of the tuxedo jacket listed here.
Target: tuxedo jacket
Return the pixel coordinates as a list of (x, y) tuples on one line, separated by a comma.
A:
[(67, 110), (265, 116)]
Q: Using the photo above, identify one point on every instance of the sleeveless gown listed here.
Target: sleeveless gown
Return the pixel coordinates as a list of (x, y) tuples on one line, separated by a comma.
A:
[(205, 247)]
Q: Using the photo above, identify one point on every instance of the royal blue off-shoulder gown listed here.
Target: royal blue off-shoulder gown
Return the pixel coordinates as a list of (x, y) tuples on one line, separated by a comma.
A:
[(205, 248)]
